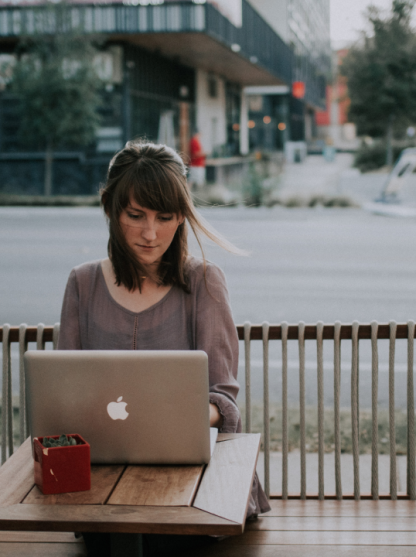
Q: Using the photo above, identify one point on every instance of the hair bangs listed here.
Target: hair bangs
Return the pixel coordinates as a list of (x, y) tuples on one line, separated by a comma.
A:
[(155, 189)]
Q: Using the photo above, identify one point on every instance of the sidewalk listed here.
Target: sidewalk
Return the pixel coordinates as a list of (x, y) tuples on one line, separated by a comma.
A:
[(329, 473), (316, 177)]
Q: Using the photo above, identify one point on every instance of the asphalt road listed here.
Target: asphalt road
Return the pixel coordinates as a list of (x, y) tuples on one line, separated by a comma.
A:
[(304, 264)]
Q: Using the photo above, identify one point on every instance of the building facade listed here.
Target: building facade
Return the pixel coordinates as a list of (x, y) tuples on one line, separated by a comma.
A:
[(304, 26), (170, 66), (333, 124)]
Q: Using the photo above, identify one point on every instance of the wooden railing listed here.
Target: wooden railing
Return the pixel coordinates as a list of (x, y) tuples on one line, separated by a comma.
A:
[(284, 334)]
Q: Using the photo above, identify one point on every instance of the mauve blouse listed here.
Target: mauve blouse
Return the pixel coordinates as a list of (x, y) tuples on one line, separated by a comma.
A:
[(92, 320)]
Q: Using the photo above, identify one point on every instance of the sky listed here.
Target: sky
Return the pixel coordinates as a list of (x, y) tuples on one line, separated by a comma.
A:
[(347, 19)]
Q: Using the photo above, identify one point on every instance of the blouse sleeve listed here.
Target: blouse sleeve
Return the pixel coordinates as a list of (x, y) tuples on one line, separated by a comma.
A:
[(216, 334), (69, 334)]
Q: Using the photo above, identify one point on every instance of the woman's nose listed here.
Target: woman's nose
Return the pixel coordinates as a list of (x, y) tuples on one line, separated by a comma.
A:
[(149, 230)]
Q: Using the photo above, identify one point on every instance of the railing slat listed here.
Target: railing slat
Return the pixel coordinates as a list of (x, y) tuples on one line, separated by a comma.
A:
[(337, 397), (55, 335), (374, 411), (302, 424), (392, 423), (321, 430), (247, 354), (266, 416), (355, 409), (40, 341), (285, 437), (6, 403), (411, 471), (23, 425)]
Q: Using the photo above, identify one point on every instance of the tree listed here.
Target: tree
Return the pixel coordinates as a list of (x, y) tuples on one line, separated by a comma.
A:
[(59, 91), (381, 74)]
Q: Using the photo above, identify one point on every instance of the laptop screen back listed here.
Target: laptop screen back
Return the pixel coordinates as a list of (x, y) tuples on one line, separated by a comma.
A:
[(139, 407)]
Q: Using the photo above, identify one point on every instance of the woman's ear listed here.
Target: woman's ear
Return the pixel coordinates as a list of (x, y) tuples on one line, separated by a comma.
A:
[(104, 203)]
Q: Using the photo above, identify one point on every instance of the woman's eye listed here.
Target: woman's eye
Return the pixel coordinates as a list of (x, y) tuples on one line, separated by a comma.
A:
[(166, 218), (134, 216)]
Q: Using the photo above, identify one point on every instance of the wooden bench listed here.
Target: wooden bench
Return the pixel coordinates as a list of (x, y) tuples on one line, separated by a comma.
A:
[(41, 544)]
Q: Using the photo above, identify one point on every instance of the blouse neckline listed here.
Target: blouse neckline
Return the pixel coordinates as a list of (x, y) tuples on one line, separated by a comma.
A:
[(108, 293)]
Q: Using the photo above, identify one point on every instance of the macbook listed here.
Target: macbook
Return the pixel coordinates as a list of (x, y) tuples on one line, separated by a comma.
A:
[(137, 407)]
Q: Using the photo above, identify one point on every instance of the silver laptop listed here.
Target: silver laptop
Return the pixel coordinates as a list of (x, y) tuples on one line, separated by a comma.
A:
[(137, 407)]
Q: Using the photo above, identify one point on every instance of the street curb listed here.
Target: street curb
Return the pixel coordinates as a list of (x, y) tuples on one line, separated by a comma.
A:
[(49, 201)]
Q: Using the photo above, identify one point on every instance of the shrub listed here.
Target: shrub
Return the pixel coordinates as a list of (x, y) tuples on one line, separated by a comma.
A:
[(372, 157)]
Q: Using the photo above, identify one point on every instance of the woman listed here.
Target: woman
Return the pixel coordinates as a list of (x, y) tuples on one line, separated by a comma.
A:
[(151, 294)]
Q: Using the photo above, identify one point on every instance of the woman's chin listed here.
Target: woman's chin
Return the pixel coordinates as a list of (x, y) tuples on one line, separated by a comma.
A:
[(149, 263)]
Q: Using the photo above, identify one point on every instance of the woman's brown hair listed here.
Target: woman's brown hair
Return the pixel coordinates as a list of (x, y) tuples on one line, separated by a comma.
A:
[(155, 177)]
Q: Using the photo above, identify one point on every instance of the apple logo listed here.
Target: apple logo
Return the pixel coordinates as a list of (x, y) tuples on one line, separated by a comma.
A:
[(117, 410)]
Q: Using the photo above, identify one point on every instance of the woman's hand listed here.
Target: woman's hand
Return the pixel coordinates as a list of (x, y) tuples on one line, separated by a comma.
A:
[(215, 418)]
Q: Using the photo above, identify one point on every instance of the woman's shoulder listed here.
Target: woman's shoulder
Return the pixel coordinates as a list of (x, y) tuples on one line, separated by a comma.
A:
[(199, 270), (86, 271)]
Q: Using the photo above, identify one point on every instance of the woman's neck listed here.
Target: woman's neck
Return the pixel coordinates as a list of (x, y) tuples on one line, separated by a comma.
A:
[(137, 300)]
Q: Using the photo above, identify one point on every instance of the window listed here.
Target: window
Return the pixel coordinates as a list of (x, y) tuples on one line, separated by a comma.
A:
[(212, 87)]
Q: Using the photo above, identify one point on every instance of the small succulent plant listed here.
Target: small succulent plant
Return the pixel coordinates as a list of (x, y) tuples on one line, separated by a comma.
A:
[(63, 441)]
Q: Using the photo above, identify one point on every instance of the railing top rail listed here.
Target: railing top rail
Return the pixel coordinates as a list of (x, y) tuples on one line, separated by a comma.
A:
[(256, 332), (364, 332)]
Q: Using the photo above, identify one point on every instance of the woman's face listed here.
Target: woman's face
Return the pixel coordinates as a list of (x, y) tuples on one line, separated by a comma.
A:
[(148, 233)]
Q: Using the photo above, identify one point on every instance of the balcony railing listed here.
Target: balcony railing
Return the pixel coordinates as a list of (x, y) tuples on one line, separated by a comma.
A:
[(256, 39), (282, 334)]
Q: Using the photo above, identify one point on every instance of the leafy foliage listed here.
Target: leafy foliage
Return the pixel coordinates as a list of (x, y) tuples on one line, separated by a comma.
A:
[(62, 441), (312, 436), (371, 157), (56, 83), (381, 73)]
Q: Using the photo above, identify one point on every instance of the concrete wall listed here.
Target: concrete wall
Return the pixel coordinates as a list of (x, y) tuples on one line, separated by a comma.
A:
[(275, 13), (210, 112)]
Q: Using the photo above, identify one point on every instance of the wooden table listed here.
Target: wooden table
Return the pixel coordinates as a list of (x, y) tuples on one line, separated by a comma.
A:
[(200, 500)]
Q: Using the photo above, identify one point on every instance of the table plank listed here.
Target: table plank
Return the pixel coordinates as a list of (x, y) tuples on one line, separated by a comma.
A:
[(228, 548), (348, 523), (309, 508), (328, 538), (229, 436), (39, 537), (103, 480), (42, 550), (115, 518), (16, 475), (226, 485), (162, 486)]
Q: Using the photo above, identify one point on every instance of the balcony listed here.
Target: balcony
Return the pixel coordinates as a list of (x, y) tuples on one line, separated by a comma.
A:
[(197, 35)]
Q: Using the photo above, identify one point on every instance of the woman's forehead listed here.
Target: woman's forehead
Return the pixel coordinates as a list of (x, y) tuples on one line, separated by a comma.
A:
[(153, 198), (135, 206)]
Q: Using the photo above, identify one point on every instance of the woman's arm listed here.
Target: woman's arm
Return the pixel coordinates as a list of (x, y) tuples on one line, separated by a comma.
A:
[(215, 418), (69, 333), (216, 334)]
